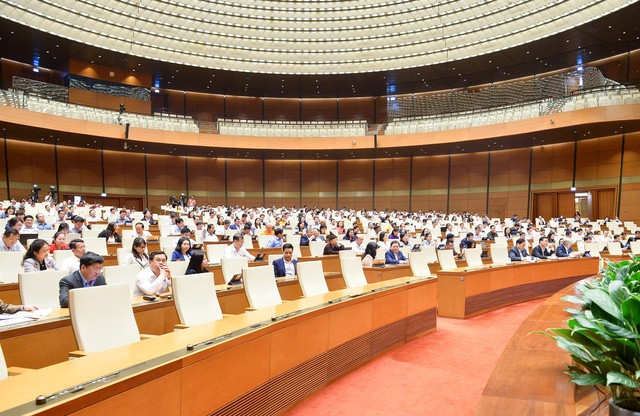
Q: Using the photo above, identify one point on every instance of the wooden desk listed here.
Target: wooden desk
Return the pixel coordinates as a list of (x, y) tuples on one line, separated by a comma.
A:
[(330, 263), (253, 368), (463, 293), (22, 344), (546, 389), (388, 272)]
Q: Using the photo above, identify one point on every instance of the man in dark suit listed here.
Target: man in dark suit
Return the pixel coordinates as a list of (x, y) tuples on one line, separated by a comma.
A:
[(285, 266), (304, 240), (518, 252), (564, 248), (89, 274), (542, 250)]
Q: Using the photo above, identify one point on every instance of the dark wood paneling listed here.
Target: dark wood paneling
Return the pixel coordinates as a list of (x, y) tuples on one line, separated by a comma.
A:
[(319, 109), (356, 109), (319, 183), (281, 109), (205, 107), (243, 107)]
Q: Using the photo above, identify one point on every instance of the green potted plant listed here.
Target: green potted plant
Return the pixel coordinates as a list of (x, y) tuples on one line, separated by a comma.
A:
[(603, 335)]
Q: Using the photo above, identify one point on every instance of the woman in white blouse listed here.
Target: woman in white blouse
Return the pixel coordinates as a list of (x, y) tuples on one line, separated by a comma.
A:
[(138, 253)]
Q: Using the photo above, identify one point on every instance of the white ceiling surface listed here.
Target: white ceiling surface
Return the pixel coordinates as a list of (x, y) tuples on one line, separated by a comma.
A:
[(306, 37)]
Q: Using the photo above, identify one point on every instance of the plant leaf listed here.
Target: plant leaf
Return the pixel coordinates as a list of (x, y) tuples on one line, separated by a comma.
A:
[(631, 311), (588, 379), (604, 302), (618, 292), (572, 299), (614, 377)]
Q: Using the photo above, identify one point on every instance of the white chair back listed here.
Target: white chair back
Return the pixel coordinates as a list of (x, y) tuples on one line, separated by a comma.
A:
[(381, 252), (473, 257), (447, 262), (127, 233), (273, 257), (347, 254), (247, 243), (117, 324), (296, 250), (263, 240), (127, 242), (500, 240), (61, 255), (316, 248), (614, 248), (92, 233), (635, 247), (46, 235), (121, 275), (232, 266), (121, 254), (432, 257), (178, 268), (215, 252), (11, 266), (293, 239), (72, 236), (592, 248), (352, 272), (97, 245), (500, 254), (195, 299), (41, 289), (260, 287), (311, 278), (419, 262)]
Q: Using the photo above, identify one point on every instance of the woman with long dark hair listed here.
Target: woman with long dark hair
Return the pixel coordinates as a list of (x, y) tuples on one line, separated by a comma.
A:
[(37, 257), (138, 253)]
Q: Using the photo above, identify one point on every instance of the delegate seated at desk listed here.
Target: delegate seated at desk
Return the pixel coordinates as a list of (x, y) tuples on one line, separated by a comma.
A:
[(37, 257), (286, 265), (10, 241), (72, 263), (564, 248), (542, 250), (394, 255), (154, 279), (332, 247), (11, 309), (518, 252), (89, 274), (236, 249)]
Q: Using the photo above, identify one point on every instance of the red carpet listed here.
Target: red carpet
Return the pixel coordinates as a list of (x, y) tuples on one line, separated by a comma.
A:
[(443, 373)]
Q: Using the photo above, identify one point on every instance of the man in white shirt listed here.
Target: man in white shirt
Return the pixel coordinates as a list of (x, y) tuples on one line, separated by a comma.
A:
[(41, 224), (28, 227), (78, 225), (72, 263), (10, 241), (236, 249), (141, 232), (154, 279), (358, 244)]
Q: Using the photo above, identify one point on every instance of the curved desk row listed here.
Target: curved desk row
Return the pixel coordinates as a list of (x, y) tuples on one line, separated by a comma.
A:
[(22, 344), (529, 377), (256, 363), (466, 292)]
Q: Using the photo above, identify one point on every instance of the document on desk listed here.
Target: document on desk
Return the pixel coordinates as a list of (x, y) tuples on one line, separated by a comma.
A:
[(23, 316)]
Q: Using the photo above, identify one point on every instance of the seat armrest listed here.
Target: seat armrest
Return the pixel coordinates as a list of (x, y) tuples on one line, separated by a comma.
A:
[(226, 315), (250, 309), (147, 336), (16, 371), (178, 327)]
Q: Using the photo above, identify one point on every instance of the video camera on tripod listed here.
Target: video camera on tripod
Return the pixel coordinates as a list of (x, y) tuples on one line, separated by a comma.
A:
[(35, 194)]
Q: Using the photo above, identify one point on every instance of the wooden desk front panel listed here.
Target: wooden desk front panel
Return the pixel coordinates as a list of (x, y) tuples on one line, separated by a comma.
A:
[(462, 294), (250, 374), (378, 274)]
